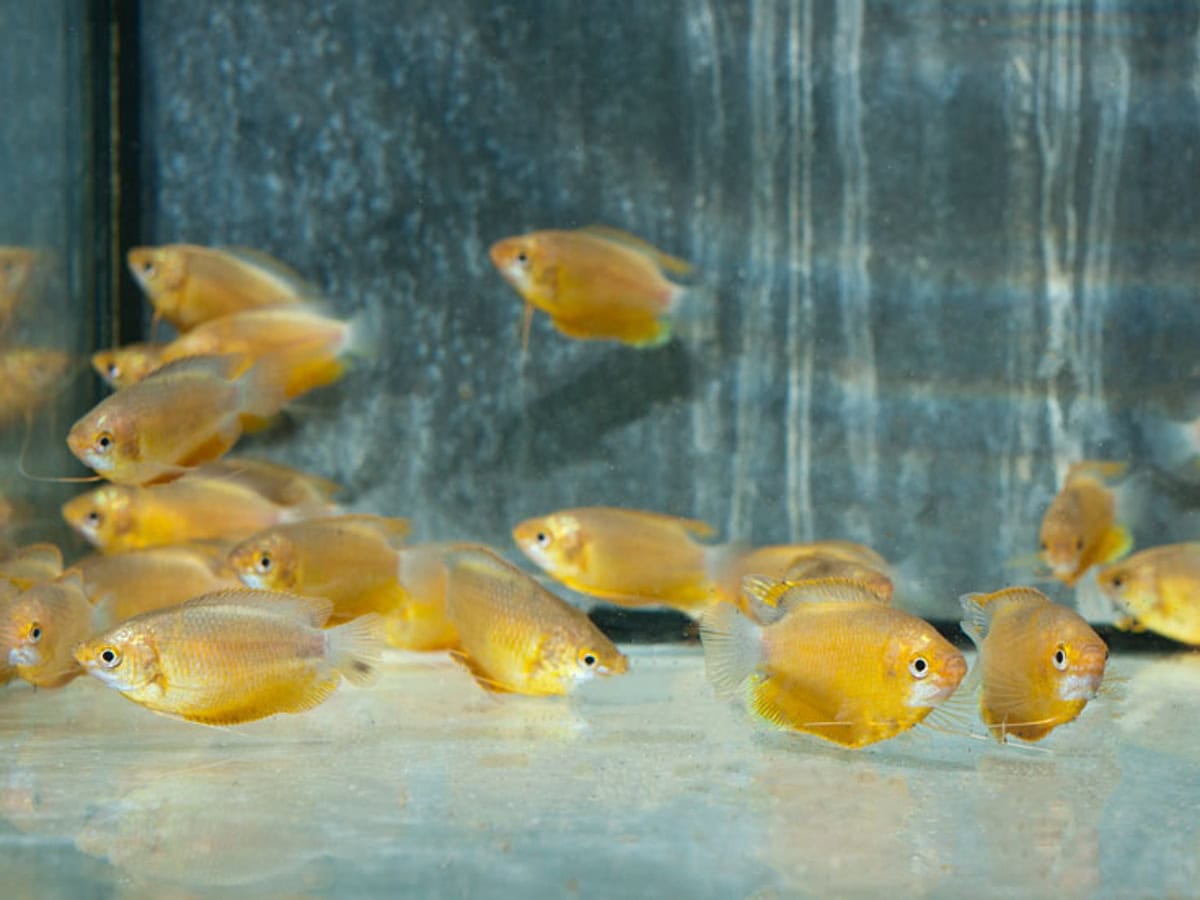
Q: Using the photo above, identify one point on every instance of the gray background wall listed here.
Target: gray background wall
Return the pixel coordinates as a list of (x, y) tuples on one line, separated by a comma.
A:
[(952, 248)]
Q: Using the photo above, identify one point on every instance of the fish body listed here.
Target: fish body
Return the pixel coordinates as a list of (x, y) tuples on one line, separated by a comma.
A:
[(731, 564), (1080, 529), (40, 626), (594, 283), (129, 364), (830, 660), (183, 415), (516, 636), (233, 656), (123, 585), (1159, 590), (627, 556), (17, 265), (189, 285), (350, 560), (29, 377), (204, 505), (1039, 661), (305, 350), (32, 564)]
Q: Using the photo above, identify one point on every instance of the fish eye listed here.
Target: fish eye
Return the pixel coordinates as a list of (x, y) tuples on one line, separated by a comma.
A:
[(543, 539), (113, 370), (588, 659), (1079, 543), (1045, 546), (919, 667), (109, 657), (522, 257), (92, 518), (1117, 581), (103, 442), (35, 632), (1060, 659), (263, 563), (148, 267)]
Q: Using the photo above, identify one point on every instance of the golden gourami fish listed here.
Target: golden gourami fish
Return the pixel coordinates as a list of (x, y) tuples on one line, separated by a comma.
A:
[(627, 556), (303, 348), (1159, 590), (517, 637), (188, 285), (32, 564), (596, 283), (129, 364), (40, 626), (731, 564), (123, 585), (29, 377), (16, 272), (187, 413), (1040, 662), (204, 505), (1080, 527), (830, 660), (350, 560), (233, 656)]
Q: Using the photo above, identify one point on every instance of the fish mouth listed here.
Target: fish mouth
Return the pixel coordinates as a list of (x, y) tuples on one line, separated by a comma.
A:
[(252, 580), (620, 667), (24, 656)]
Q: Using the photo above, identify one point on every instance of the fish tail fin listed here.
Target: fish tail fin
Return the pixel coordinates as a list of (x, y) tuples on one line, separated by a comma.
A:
[(264, 392), (1091, 602), (691, 313), (718, 565), (365, 334), (355, 649), (732, 648)]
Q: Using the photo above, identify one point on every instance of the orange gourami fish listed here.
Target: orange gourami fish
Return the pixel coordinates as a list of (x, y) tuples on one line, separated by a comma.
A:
[(628, 556), (304, 349), (123, 585), (516, 636), (32, 564), (188, 285), (1159, 589), (185, 414), (830, 660), (16, 273), (731, 564), (123, 366), (233, 656), (350, 560), (1080, 528), (1040, 662), (197, 507), (595, 283), (29, 377), (40, 626)]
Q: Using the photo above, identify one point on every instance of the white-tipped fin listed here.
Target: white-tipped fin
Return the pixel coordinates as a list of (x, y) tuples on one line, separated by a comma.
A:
[(732, 648), (355, 649), (976, 620)]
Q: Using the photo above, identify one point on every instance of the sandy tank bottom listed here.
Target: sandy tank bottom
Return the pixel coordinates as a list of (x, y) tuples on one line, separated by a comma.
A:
[(640, 786)]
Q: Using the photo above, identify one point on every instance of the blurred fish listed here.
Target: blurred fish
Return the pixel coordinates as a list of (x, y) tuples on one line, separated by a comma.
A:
[(421, 622), (350, 560), (29, 377), (8, 671), (32, 564), (185, 414), (279, 483), (233, 656), (829, 660), (188, 285), (731, 564), (627, 556), (123, 585), (204, 505), (596, 283), (1080, 527), (1040, 662), (16, 272), (304, 349), (516, 636), (129, 364), (1159, 589), (39, 628)]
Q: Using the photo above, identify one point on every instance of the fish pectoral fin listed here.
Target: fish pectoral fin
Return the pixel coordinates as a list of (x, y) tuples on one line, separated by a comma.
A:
[(481, 677)]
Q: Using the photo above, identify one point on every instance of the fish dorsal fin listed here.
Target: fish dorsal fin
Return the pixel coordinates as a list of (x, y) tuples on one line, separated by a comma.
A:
[(1100, 469), (978, 608), (394, 531), (313, 610), (73, 580), (779, 596), (761, 594), (33, 559), (296, 283), (225, 365), (633, 242)]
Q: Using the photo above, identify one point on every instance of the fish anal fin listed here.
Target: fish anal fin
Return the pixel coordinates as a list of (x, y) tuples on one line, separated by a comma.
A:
[(481, 677)]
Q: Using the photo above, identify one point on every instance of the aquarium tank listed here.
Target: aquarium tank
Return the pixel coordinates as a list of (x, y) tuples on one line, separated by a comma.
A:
[(535, 448)]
